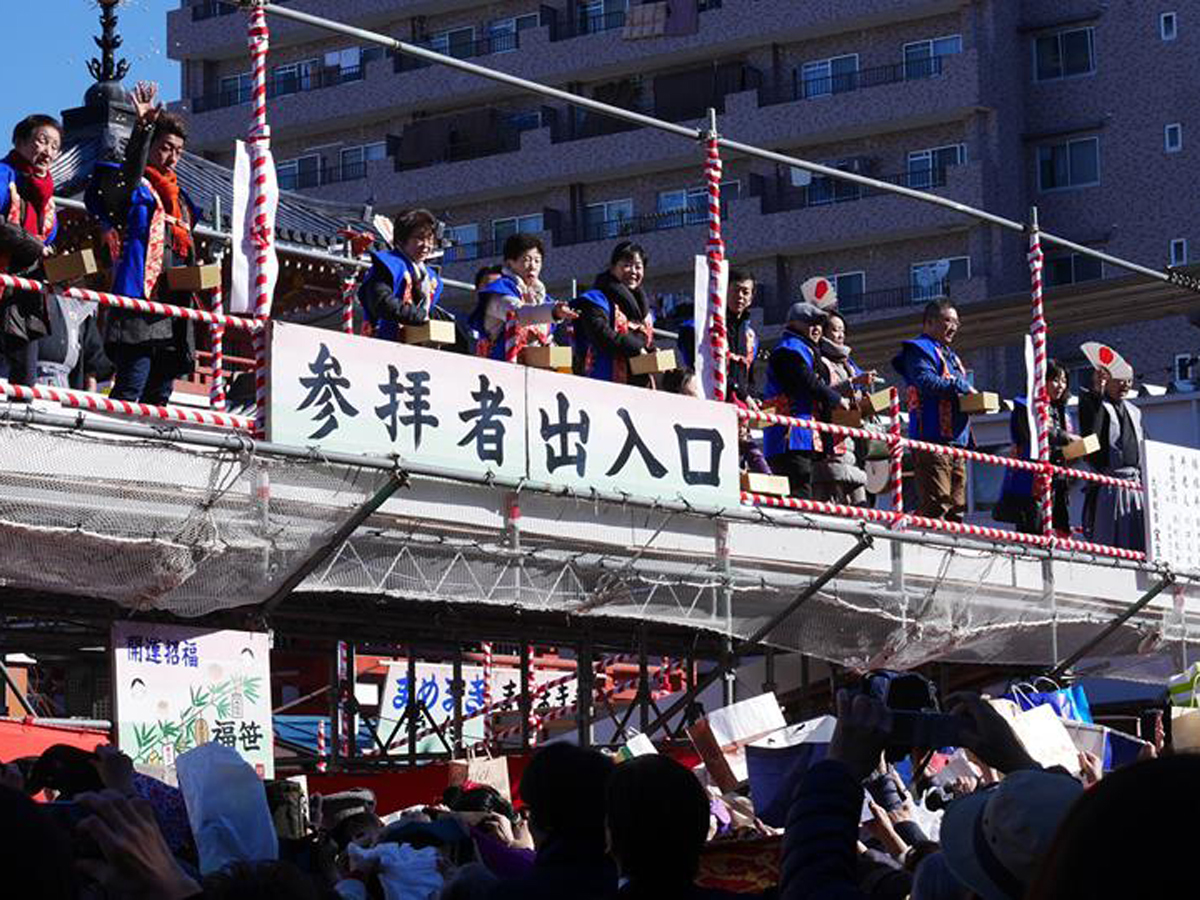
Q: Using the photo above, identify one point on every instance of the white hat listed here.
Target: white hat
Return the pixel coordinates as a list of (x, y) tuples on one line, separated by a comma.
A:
[(1102, 356), (820, 292), (994, 840)]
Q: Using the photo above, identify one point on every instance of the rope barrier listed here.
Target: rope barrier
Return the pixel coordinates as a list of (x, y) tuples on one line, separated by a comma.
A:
[(153, 307), (889, 517), (100, 403), (1027, 465)]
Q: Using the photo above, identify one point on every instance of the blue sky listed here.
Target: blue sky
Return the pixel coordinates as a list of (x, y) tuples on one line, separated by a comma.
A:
[(52, 78)]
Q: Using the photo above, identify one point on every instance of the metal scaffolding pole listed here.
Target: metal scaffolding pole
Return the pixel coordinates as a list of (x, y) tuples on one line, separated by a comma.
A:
[(696, 134), (761, 634), (1065, 666)]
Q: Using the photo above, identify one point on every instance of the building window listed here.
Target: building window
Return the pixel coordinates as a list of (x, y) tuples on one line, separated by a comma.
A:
[(850, 287), (689, 206), (822, 77), (457, 42), (821, 190), (1072, 268), (503, 33), (1179, 252), (464, 242), (303, 172), (1173, 137), (502, 229), (347, 61), (1066, 54), (1184, 362), (1070, 164), (609, 219), (297, 76), (1167, 26), (236, 89), (931, 279), (353, 160), (602, 15), (526, 120), (927, 168), (923, 59)]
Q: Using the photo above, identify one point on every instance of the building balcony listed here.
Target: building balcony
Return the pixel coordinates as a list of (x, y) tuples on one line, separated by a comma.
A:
[(545, 55), (603, 148), (205, 29), (280, 85), (674, 239)]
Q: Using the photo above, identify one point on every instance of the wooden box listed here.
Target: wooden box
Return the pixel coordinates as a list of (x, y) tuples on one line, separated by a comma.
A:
[(653, 362), (69, 266), (879, 402), (433, 332), (851, 418), (980, 403), (758, 483), (552, 357), (194, 278), (1085, 446)]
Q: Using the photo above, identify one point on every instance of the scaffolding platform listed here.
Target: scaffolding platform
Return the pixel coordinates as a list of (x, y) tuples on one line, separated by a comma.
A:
[(100, 519)]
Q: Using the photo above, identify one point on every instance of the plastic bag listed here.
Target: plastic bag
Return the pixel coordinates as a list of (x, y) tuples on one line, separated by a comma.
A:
[(227, 808), (404, 873)]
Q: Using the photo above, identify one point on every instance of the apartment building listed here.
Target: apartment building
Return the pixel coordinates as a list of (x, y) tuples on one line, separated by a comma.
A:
[(1073, 106)]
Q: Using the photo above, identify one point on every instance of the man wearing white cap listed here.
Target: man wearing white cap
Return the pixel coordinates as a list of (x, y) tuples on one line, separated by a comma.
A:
[(1111, 515), (794, 388)]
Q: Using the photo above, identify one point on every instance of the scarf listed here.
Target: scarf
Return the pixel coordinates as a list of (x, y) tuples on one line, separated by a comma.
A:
[(166, 185), (530, 293), (632, 303), (36, 190), (829, 349)]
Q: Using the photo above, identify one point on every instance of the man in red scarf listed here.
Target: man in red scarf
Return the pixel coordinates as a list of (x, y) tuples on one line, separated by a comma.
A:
[(27, 226), (150, 221)]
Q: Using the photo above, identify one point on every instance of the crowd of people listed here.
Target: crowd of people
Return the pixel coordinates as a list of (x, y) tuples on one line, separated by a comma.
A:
[(586, 825), (145, 222)]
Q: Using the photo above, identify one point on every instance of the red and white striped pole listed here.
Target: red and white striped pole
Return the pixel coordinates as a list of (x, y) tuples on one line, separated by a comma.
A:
[(349, 292), (259, 142), (486, 648), (535, 721), (896, 452), (345, 691), (322, 765), (1043, 486), (216, 387), (715, 251), (512, 352)]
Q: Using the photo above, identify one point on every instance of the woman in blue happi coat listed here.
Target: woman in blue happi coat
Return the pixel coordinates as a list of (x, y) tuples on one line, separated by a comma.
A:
[(615, 321), (401, 289), (28, 225), (1017, 503)]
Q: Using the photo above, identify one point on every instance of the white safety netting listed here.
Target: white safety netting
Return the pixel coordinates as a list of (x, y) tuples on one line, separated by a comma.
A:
[(158, 525), (153, 525)]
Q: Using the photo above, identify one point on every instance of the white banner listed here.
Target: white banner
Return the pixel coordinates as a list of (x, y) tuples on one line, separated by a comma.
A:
[(349, 393), (343, 392), (586, 434), (246, 235), (702, 315), (434, 690), (1172, 475), (176, 687)]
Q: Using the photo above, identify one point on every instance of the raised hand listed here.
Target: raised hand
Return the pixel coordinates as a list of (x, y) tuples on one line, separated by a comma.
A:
[(145, 101)]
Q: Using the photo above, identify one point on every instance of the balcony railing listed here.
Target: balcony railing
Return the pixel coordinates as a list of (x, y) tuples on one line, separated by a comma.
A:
[(892, 298), (584, 23), (310, 178), (809, 88), (498, 43), (780, 195), (212, 8), (505, 141), (609, 229), (280, 85)]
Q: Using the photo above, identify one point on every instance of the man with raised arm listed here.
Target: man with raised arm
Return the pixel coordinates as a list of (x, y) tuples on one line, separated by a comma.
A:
[(148, 221)]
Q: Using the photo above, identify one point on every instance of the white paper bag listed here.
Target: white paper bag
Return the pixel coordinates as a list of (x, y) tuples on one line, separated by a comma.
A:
[(226, 806)]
